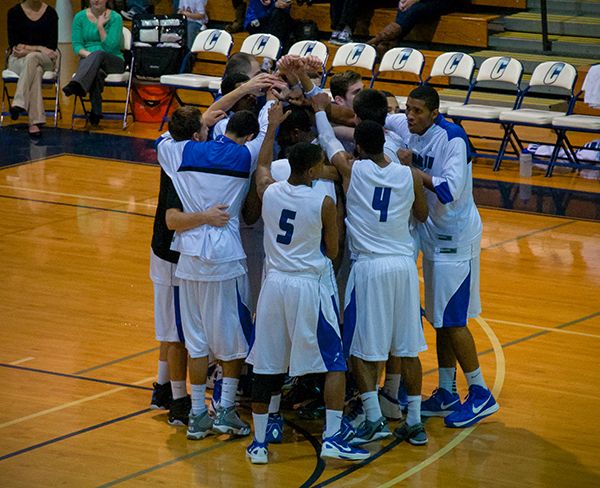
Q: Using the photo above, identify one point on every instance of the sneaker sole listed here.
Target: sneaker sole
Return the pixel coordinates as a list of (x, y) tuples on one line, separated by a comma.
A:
[(197, 436), (257, 460), (333, 454), (378, 436), (177, 423), (467, 423), (158, 407), (417, 443), (429, 413), (222, 429)]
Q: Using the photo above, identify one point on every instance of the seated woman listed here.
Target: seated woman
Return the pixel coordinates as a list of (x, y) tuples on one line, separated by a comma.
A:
[(97, 35), (32, 38)]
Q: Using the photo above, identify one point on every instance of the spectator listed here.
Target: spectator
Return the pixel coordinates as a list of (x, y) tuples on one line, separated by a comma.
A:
[(410, 13), (239, 6), (97, 39), (195, 13), (343, 20), (270, 17), (32, 39)]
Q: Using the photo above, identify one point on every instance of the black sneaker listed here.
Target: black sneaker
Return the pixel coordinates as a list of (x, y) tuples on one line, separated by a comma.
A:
[(161, 397), (179, 412)]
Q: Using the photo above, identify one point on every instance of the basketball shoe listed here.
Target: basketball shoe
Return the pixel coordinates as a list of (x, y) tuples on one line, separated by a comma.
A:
[(414, 434), (480, 403), (199, 426), (162, 396), (180, 411), (338, 448), (258, 452), (229, 422), (440, 403), (274, 429), (370, 431)]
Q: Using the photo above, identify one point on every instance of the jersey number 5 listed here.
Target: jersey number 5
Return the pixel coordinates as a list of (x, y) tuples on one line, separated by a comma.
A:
[(286, 226), (381, 202)]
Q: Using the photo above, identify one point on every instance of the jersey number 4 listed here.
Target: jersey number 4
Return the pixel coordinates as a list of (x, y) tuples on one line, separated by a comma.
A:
[(286, 226), (381, 202)]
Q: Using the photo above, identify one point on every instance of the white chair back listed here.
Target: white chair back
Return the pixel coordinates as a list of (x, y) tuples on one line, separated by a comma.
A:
[(501, 68), (455, 64), (355, 55), (126, 40), (213, 41), (403, 60), (310, 48), (554, 74), (262, 45)]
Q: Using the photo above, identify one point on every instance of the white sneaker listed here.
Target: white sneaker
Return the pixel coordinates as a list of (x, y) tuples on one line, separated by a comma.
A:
[(257, 452)]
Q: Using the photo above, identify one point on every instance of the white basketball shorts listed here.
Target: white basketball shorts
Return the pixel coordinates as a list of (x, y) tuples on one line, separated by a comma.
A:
[(451, 291), (216, 318), (382, 312), (297, 326), (167, 317)]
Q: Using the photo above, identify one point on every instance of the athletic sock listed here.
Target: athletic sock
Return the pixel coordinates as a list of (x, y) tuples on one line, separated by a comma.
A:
[(447, 379), (228, 392), (198, 399), (413, 416), (274, 403), (371, 405), (333, 421), (476, 378), (392, 385), (260, 426), (163, 372), (178, 389)]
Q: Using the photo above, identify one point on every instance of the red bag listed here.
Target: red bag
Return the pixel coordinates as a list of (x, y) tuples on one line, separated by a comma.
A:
[(149, 102)]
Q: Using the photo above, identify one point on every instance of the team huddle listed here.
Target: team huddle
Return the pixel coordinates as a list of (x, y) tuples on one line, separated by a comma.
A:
[(335, 183)]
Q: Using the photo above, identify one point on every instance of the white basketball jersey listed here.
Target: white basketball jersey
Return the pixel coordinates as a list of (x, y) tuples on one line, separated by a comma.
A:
[(280, 170), (293, 228), (378, 206)]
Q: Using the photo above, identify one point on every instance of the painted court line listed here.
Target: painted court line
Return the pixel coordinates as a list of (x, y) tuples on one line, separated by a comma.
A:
[(77, 195), (547, 329), (71, 404), (115, 361), (21, 361)]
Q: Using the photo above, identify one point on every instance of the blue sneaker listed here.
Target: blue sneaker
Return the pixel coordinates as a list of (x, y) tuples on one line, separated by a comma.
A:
[(274, 429), (257, 452), (347, 431), (440, 403), (480, 403), (336, 447)]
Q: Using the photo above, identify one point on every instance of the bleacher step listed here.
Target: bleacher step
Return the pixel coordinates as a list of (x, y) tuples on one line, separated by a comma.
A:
[(569, 7), (568, 25), (532, 43)]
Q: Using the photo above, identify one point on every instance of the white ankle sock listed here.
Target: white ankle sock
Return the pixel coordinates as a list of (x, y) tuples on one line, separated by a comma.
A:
[(413, 416), (178, 389), (228, 392), (163, 373), (260, 425), (447, 379), (371, 405), (476, 378), (198, 398), (333, 421)]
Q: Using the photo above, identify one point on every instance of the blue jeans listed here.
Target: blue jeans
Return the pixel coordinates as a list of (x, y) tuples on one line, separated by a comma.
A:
[(139, 6)]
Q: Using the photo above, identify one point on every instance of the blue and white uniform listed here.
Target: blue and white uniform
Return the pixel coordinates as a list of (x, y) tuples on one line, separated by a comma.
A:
[(297, 323), (382, 308), (451, 237)]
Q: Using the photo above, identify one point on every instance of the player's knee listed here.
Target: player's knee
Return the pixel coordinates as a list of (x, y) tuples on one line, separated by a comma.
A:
[(262, 387)]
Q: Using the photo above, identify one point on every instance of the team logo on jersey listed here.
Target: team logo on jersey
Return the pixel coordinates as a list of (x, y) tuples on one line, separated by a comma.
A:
[(308, 48), (402, 58), (355, 54), (211, 41), (422, 162), (260, 45), (553, 73), (500, 68), (452, 64)]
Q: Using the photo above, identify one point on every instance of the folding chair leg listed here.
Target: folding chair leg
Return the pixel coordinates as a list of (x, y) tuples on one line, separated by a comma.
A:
[(560, 134), (56, 108), (166, 114), (508, 129)]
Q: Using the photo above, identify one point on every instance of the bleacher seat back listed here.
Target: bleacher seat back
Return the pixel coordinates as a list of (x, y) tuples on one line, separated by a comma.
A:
[(554, 74), (213, 41), (501, 69), (355, 55), (454, 64), (403, 60), (310, 48), (126, 40), (262, 45)]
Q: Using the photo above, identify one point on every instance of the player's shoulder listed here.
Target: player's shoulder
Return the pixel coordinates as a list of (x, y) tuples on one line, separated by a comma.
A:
[(451, 130)]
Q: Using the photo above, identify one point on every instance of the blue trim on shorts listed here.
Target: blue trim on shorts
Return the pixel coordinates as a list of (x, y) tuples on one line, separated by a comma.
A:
[(349, 323), (178, 324), (245, 318), (456, 312), (330, 345)]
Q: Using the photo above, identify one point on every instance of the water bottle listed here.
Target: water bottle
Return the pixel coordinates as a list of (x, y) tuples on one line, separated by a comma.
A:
[(525, 164)]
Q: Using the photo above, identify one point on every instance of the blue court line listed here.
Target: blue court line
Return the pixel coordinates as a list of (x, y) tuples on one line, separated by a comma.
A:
[(394, 443), (77, 206), (190, 455), (73, 434), (67, 375), (115, 361)]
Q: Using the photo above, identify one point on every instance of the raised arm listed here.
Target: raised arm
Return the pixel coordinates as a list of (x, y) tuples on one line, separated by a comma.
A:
[(180, 221)]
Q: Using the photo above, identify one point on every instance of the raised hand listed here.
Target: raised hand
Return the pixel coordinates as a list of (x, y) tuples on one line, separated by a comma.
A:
[(320, 102)]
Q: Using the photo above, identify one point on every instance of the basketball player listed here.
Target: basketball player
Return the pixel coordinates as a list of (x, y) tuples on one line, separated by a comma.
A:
[(296, 320), (450, 240), (382, 309), (214, 286)]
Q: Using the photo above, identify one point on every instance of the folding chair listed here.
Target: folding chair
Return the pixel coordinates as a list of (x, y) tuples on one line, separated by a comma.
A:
[(500, 69), (210, 41), (49, 79), (551, 74), (355, 55), (402, 60), (454, 65), (262, 46), (312, 48), (115, 80)]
